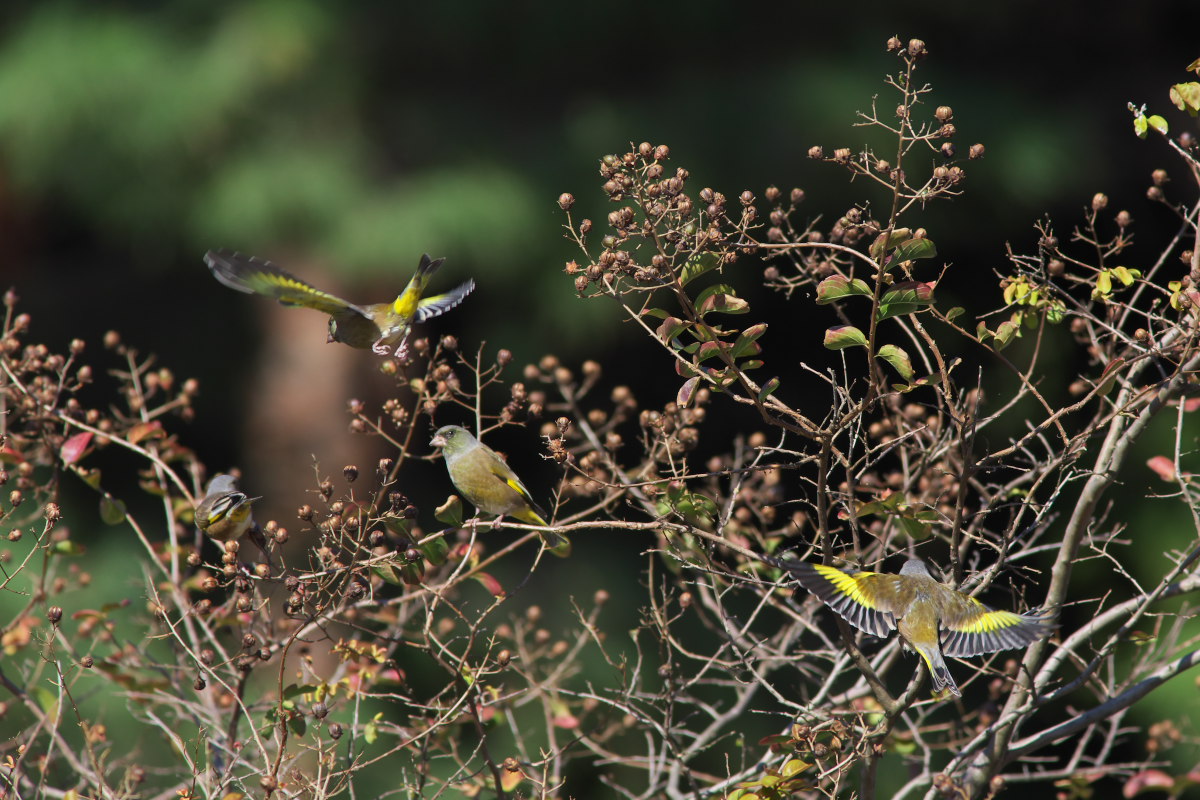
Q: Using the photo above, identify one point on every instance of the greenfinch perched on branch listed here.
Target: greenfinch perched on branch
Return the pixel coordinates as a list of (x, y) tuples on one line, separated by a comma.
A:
[(933, 619), (489, 484), (383, 327), (225, 512)]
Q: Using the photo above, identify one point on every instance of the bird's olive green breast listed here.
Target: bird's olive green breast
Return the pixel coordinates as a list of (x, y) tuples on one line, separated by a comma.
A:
[(480, 485)]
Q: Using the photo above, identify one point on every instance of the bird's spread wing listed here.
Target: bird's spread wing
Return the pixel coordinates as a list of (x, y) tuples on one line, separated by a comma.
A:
[(975, 629), (439, 304), (849, 594), (259, 276)]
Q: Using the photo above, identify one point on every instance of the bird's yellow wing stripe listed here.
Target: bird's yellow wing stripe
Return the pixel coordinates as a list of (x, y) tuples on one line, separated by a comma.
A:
[(848, 595), (259, 276), (981, 630), (848, 585)]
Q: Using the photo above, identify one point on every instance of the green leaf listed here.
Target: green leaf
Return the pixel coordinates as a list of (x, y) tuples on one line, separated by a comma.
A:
[(371, 729), (709, 350), (655, 312), (450, 512), (68, 547), (914, 249), (1140, 127), (722, 299), (297, 724), (1005, 333), (389, 572), (294, 690), (840, 337), (112, 510), (886, 242), (670, 328), (915, 529), (898, 359), (746, 343), (954, 313), (982, 332), (1186, 97), (836, 287), (1158, 123), (768, 389), (697, 265), (905, 297), (436, 550)]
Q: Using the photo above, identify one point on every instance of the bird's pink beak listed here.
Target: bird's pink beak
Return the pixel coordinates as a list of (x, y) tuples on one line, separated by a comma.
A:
[(438, 441)]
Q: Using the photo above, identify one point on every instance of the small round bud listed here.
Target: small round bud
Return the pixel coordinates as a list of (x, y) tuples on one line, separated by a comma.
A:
[(816, 152), (894, 45), (335, 730), (916, 49), (503, 658), (87, 662), (944, 113), (565, 201), (1154, 194), (1124, 220), (320, 710), (1099, 201), (948, 149), (350, 472), (976, 151), (54, 614), (112, 339), (1159, 176)]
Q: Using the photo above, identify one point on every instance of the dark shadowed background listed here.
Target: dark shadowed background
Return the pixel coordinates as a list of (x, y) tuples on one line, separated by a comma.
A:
[(344, 141)]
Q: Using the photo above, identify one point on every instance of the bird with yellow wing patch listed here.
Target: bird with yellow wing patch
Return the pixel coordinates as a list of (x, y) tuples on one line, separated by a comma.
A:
[(383, 327), (933, 619)]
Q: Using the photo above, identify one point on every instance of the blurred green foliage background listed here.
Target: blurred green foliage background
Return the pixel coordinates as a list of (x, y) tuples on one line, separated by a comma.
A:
[(343, 140)]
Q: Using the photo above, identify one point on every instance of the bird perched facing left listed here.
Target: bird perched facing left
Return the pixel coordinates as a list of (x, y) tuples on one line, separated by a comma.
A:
[(225, 513), (383, 327), (933, 619), (490, 484)]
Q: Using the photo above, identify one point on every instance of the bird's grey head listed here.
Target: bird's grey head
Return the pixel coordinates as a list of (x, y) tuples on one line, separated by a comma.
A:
[(915, 567), (222, 483)]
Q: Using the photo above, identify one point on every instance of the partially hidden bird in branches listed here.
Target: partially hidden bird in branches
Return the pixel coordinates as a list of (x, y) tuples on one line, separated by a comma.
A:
[(226, 513), (383, 327), (932, 618), (489, 484)]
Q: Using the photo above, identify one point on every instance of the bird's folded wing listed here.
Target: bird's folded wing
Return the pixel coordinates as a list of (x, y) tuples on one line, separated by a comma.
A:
[(975, 629), (851, 595), (259, 276)]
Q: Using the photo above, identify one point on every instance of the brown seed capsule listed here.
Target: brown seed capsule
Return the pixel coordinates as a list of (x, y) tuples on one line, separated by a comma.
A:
[(1099, 201), (948, 149), (320, 710), (54, 614), (976, 151), (894, 44), (816, 152), (1123, 219), (916, 49), (503, 658), (86, 662), (350, 472), (1154, 194), (566, 200), (335, 730), (1159, 176)]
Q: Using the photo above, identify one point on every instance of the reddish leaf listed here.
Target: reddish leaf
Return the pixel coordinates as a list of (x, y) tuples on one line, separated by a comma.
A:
[(146, 430), (1191, 404), (73, 449), (10, 456), (489, 583), (1163, 467), (1147, 779)]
